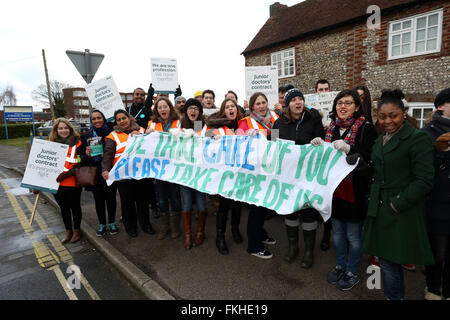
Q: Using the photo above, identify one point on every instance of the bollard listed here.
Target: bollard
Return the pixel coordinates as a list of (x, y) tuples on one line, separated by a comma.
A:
[(31, 137), (40, 135)]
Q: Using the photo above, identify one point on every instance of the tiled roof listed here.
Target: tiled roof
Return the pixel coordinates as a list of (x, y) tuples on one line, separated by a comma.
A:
[(311, 16)]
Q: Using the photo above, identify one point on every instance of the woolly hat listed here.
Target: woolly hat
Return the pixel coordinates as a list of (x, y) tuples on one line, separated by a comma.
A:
[(442, 97), (198, 93), (179, 98), (291, 94), (193, 102)]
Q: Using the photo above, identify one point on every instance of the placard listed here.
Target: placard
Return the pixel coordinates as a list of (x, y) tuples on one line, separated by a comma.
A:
[(164, 75), (104, 96), (322, 102), (262, 79)]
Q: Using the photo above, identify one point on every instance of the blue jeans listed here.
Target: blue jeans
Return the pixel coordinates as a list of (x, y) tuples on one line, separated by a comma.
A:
[(350, 232), (394, 288), (168, 192), (187, 197)]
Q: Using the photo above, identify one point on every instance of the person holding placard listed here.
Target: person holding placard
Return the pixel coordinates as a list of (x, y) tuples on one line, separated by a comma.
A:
[(192, 118), (163, 119), (351, 133), (92, 145), (301, 125), (223, 123), (133, 193), (260, 121), (68, 196)]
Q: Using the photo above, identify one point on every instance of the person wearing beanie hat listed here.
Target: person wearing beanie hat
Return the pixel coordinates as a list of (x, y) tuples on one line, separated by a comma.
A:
[(179, 103), (438, 217), (294, 92), (198, 95), (193, 102)]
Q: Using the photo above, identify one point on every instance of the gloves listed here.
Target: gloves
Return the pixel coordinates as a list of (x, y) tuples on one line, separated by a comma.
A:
[(178, 91), (341, 145), (64, 175), (352, 158), (317, 141), (151, 90)]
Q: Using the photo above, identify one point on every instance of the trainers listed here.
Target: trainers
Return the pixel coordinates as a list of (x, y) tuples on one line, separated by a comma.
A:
[(335, 275), (269, 240), (262, 254), (409, 267), (113, 228), (101, 230), (348, 281), (375, 262)]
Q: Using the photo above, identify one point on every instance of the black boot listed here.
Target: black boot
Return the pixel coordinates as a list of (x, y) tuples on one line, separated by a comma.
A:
[(325, 243), (220, 243), (308, 257), (221, 223), (235, 220), (292, 233)]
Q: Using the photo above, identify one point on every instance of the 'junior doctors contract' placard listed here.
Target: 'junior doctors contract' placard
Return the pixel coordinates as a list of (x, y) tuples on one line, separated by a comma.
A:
[(262, 79), (104, 96), (45, 163)]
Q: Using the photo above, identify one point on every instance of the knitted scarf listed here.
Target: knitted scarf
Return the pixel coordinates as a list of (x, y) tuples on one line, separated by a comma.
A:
[(351, 122)]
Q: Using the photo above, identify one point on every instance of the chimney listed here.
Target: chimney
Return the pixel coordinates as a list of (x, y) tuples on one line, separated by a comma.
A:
[(276, 9)]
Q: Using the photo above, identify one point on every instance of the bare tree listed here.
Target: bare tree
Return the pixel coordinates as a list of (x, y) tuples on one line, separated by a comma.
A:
[(8, 97), (40, 95)]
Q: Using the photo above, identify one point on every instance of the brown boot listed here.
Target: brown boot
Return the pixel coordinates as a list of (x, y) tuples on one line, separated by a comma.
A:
[(76, 236), (200, 228), (187, 224), (69, 234)]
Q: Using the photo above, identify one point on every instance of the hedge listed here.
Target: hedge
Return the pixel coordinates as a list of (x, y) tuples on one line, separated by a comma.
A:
[(17, 130)]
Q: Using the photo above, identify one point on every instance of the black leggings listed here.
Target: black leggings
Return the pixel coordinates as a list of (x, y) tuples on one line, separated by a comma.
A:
[(438, 275), (108, 196), (68, 199)]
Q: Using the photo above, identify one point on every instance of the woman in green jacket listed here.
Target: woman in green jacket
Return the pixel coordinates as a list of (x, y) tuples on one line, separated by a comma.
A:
[(402, 163)]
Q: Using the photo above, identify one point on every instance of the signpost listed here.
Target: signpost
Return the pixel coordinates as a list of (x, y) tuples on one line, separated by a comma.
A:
[(87, 64), (18, 114)]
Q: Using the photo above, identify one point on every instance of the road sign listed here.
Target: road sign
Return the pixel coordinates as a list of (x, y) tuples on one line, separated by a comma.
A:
[(87, 63)]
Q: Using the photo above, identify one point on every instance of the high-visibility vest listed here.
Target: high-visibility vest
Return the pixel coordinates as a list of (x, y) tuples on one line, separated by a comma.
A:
[(253, 124), (71, 161), (120, 138), (157, 126), (223, 131)]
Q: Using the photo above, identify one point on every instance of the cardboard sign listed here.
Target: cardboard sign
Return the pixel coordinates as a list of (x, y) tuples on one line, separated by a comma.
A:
[(262, 79), (322, 102), (104, 96), (45, 163), (164, 75)]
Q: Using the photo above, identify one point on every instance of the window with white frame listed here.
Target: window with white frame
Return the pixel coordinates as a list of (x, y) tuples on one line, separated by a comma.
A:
[(416, 35), (421, 111), (285, 61)]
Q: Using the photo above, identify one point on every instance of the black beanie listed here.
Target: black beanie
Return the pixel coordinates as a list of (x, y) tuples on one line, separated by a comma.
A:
[(442, 97), (193, 102), (291, 94)]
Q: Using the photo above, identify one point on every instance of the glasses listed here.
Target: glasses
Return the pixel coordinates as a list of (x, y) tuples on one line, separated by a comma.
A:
[(193, 109), (347, 103)]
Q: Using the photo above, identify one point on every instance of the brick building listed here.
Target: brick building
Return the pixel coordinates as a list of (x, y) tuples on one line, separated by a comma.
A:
[(325, 39), (77, 103)]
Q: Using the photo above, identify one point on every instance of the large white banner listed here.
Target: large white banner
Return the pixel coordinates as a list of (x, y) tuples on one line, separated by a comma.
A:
[(262, 79), (164, 75), (322, 102), (278, 174), (45, 163), (104, 96)]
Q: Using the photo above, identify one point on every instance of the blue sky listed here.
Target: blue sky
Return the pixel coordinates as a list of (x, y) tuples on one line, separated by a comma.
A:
[(206, 38)]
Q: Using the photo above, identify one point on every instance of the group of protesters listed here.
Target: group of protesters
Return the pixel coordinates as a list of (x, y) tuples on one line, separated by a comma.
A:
[(394, 206)]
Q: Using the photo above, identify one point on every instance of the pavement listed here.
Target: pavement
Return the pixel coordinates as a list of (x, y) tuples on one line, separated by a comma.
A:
[(164, 270)]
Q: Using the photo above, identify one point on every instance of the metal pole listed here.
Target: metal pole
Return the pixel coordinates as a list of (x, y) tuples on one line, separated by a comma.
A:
[(87, 62), (48, 87)]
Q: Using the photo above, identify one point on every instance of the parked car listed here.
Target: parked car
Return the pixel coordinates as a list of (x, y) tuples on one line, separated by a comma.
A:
[(46, 128)]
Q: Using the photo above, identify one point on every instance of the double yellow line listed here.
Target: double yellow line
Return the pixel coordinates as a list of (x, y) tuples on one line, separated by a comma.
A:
[(45, 256)]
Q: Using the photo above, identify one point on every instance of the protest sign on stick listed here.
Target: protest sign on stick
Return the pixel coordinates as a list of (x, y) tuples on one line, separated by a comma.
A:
[(262, 79), (322, 102), (164, 75), (104, 96)]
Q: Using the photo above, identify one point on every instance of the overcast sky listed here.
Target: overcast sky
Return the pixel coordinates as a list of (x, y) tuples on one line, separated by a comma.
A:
[(206, 38)]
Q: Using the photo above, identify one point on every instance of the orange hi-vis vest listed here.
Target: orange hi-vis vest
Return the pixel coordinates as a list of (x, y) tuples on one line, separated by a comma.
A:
[(71, 161), (253, 124), (120, 138), (223, 131), (157, 126)]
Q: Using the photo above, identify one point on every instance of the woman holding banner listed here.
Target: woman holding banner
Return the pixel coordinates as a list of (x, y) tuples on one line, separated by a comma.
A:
[(301, 125), (68, 195), (192, 118), (352, 134), (163, 119), (133, 197), (92, 145), (260, 121), (224, 123)]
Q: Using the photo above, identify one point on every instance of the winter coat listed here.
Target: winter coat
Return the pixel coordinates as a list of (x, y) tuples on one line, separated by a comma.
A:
[(438, 203), (141, 113), (344, 210), (402, 174)]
